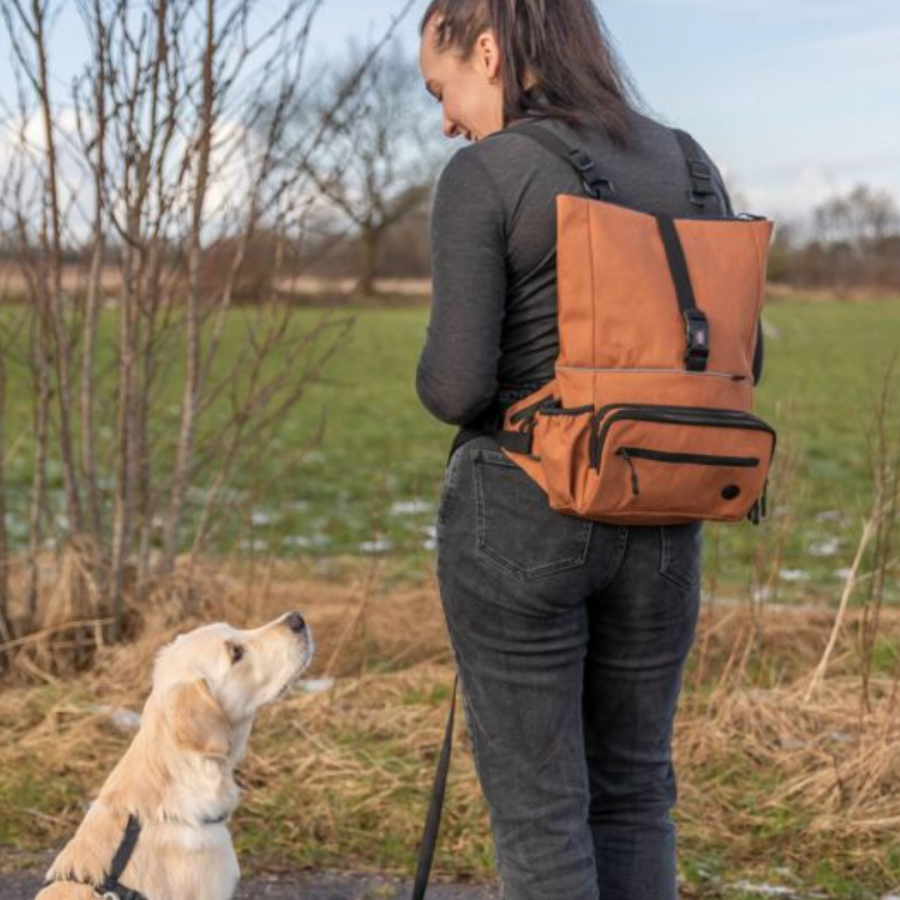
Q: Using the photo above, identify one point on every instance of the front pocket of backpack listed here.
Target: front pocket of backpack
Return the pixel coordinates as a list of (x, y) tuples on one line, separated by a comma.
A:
[(562, 439), (680, 463)]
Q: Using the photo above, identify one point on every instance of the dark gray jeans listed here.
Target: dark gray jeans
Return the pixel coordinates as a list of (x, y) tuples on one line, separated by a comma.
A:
[(570, 638)]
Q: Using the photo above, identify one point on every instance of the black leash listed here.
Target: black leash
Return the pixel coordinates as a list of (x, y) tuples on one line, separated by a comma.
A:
[(433, 819)]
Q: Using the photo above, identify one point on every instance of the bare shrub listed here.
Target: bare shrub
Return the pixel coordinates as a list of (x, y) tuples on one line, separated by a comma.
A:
[(171, 164)]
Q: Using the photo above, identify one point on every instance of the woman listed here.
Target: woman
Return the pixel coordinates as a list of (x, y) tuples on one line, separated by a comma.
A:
[(570, 636)]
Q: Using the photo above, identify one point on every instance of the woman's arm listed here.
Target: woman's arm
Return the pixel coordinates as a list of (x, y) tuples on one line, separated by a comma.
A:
[(456, 377)]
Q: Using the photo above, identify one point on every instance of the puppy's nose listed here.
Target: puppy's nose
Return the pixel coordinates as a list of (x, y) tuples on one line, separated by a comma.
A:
[(295, 622)]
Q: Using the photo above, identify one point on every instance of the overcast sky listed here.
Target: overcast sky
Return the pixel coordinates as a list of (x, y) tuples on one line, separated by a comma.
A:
[(795, 99)]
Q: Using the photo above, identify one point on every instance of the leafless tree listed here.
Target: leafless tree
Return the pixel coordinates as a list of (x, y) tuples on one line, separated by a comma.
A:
[(6, 632), (862, 217), (181, 151), (854, 242), (385, 148)]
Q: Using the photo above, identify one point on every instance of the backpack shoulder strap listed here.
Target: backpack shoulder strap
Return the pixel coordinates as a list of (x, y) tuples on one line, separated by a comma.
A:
[(597, 187), (601, 188), (701, 174)]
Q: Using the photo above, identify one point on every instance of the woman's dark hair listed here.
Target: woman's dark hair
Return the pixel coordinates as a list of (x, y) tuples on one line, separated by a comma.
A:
[(560, 44)]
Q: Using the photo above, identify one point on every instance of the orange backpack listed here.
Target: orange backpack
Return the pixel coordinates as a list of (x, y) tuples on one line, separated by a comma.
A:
[(648, 420)]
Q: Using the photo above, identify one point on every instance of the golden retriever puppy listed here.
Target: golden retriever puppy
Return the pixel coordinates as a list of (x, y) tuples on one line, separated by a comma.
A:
[(158, 828)]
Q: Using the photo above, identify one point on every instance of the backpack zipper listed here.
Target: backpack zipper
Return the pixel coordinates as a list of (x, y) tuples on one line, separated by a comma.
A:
[(697, 459), (715, 418), (530, 411)]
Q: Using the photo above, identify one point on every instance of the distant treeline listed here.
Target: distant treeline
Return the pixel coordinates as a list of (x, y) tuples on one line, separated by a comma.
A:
[(854, 243)]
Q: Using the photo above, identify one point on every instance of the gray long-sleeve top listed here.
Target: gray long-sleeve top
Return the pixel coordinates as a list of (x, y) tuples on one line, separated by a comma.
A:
[(493, 242)]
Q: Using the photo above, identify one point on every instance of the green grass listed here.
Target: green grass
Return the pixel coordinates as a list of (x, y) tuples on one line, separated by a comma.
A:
[(372, 486), (376, 477)]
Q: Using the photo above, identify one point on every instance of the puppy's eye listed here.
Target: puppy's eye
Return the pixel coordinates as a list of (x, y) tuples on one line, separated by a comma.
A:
[(236, 652)]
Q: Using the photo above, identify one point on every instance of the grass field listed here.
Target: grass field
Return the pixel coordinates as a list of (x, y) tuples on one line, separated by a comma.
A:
[(372, 484), (378, 474), (773, 790)]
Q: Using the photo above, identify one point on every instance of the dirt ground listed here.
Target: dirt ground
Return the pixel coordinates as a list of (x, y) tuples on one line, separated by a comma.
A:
[(303, 886)]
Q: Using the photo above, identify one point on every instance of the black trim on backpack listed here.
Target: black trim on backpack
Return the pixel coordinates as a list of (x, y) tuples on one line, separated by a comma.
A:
[(696, 323), (515, 441)]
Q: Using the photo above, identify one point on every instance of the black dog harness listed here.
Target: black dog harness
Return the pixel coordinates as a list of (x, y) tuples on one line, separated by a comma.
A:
[(112, 888)]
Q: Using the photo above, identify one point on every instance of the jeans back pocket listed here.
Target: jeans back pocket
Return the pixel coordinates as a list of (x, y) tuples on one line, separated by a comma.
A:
[(516, 529), (681, 553)]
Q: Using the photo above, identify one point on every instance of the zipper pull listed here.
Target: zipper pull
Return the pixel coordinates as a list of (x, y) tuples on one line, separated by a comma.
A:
[(753, 515), (635, 487), (759, 511)]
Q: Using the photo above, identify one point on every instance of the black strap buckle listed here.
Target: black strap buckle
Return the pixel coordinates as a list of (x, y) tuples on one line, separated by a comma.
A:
[(515, 441), (697, 327), (697, 195), (701, 171), (594, 184)]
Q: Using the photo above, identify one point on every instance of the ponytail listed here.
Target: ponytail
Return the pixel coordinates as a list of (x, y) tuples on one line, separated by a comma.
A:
[(556, 60)]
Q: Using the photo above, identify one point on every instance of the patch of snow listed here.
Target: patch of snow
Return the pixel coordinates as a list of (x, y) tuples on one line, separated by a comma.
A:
[(256, 544), (767, 890), (123, 719), (410, 507), (306, 542), (315, 685), (378, 545), (793, 575), (825, 548)]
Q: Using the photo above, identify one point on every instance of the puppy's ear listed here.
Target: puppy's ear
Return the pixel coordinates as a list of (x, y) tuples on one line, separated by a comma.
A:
[(198, 723)]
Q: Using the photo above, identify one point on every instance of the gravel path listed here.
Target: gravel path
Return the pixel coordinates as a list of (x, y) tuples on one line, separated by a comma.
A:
[(305, 886)]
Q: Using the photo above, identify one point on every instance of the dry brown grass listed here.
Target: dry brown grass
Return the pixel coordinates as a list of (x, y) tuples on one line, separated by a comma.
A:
[(776, 292), (75, 279), (14, 284), (342, 777)]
